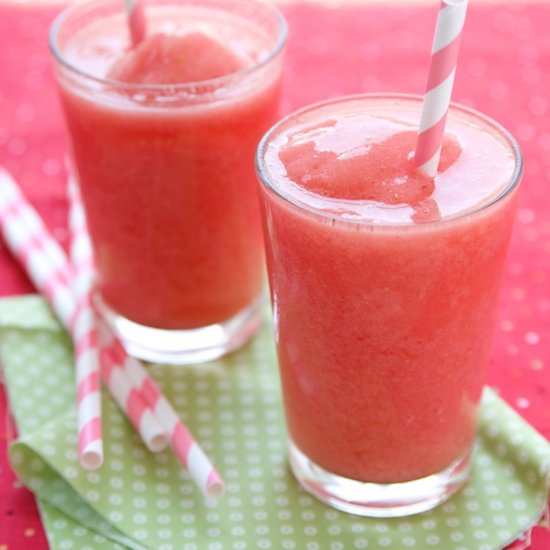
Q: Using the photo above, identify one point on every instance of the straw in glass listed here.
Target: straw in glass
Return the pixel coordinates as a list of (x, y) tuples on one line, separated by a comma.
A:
[(135, 15), (437, 98)]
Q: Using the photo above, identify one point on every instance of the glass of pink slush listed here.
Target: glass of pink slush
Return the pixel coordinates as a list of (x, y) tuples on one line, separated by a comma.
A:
[(384, 288), (162, 137)]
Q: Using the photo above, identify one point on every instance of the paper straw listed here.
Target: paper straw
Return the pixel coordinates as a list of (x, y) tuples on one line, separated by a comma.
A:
[(83, 263), (185, 447), (46, 264), (132, 403), (90, 436), (437, 98), (82, 259), (115, 363), (135, 14), (48, 268)]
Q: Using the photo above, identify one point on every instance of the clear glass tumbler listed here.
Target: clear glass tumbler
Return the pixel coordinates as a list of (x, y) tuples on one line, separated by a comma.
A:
[(383, 310), (166, 169)]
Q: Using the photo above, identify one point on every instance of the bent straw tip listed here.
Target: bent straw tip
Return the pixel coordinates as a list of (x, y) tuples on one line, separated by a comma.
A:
[(158, 443), (91, 459), (215, 490)]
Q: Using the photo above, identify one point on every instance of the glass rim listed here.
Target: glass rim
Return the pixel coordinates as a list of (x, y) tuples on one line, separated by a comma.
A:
[(268, 182), (217, 82)]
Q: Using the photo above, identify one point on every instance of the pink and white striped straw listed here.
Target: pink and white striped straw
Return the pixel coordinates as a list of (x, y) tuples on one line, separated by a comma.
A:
[(437, 98), (45, 263), (132, 403), (90, 437), (48, 268), (112, 373), (185, 447), (137, 25)]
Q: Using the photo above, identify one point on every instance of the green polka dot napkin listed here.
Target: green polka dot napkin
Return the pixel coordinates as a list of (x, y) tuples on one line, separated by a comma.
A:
[(142, 501)]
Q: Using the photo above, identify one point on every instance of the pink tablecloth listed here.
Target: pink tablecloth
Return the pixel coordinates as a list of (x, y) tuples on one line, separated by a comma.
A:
[(504, 71)]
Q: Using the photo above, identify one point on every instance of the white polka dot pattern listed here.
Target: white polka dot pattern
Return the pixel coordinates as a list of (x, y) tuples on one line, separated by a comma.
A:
[(142, 500)]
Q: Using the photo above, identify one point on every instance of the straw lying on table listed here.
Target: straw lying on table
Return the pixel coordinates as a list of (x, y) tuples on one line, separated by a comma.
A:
[(85, 329), (48, 268), (125, 377), (437, 98), (186, 449), (20, 228), (88, 393), (39, 253)]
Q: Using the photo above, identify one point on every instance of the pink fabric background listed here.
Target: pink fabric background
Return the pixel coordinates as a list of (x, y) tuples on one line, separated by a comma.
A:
[(504, 70)]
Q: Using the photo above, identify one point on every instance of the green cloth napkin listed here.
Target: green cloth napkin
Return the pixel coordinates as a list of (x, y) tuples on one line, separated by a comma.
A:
[(141, 500)]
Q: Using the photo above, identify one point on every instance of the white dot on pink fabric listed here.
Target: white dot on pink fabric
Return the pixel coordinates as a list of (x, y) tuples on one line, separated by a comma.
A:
[(25, 113), (538, 105), (525, 131), (531, 75), (522, 402), (51, 167), (477, 66), (16, 147), (544, 141), (4, 136)]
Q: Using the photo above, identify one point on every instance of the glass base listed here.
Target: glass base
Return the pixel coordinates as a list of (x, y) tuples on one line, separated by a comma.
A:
[(186, 346), (379, 500)]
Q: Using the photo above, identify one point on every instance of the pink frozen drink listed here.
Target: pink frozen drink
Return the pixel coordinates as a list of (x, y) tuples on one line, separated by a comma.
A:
[(163, 138), (384, 287)]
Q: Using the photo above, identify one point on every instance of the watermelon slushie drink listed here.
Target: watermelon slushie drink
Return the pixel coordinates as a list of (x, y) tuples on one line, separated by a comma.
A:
[(163, 138), (384, 287)]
